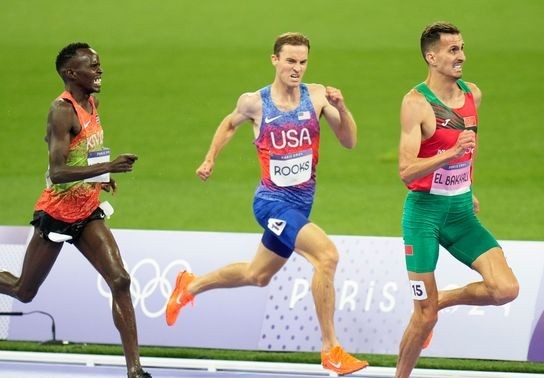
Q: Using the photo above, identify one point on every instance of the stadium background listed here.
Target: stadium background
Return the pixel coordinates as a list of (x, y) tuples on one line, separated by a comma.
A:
[(173, 69)]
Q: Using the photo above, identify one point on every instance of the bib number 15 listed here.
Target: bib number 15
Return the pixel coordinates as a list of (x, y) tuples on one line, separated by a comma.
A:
[(418, 290)]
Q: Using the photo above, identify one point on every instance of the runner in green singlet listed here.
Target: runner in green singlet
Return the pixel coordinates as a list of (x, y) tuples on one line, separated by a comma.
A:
[(437, 146)]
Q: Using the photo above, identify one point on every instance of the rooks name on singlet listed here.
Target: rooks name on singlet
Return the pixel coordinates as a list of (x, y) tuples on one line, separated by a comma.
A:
[(291, 170)]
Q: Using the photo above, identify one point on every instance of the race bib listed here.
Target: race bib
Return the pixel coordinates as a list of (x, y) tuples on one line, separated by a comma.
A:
[(95, 157), (452, 179), (291, 169), (276, 225), (419, 293), (107, 208)]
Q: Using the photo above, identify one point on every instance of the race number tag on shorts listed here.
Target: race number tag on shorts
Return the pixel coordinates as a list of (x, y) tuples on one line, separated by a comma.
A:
[(107, 208), (452, 179), (418, 290), (58, 238), (276, 225), (291, 169), (95, 157)]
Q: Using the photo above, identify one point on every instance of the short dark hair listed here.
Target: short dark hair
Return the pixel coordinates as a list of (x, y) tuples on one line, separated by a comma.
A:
[(68, 53), (431, 35), (294, 39)]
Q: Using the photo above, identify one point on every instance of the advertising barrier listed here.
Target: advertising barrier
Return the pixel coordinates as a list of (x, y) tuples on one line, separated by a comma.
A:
[(373, 298)]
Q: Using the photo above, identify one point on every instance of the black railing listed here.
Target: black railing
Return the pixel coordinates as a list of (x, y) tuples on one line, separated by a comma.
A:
[(53, 331)]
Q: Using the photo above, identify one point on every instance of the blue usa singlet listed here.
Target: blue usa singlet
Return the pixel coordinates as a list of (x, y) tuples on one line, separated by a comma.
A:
[(288, 150)]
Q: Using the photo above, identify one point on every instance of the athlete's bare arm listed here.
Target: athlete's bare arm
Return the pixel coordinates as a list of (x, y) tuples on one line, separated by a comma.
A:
[(112, 185), (477, 94), (329, 101), (475, 201), (62, 126), (247, 108), (417, 119)]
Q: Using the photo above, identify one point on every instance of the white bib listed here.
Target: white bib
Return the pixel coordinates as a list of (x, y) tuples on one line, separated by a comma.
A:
[(452, 179), (291, 169), (95, 157)]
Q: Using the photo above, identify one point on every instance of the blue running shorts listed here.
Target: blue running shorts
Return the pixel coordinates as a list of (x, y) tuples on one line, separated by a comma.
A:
[(282, 222)]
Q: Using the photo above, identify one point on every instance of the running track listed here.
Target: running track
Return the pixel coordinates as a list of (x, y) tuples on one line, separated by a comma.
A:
[(58, 365)]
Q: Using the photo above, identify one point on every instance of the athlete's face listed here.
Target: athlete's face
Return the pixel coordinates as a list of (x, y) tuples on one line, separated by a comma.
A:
[(291, 63), (447, 57), (86, 70)]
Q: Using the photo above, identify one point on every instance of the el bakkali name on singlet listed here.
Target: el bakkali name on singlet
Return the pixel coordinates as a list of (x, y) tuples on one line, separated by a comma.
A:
[(288, 150), (73, 201), (456, 176)]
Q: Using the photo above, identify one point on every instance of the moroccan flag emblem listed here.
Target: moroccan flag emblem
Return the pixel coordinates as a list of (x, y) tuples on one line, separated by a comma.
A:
[(470, 121)]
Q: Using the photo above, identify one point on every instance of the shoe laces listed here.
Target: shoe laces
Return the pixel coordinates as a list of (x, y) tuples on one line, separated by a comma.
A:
[(338, 354)]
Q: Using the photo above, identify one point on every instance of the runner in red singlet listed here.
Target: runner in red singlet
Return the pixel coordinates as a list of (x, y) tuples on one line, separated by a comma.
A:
[(69, 208), (436, 154)]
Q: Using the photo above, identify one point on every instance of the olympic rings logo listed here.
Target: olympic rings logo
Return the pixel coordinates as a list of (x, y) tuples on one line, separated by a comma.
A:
[(149, 286)]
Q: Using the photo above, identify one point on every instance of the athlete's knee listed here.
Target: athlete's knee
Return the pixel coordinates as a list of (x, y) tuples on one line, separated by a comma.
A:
[(328, 260), (26, 296), (430, 317), (425, 317), (505, 292), (120, 282), (259, 278), (23, 293)]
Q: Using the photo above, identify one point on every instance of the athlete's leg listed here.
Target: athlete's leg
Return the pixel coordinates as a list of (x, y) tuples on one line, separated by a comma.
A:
[(257, 272), (499, 284), (40, 257), (421, 323), (99, 247), (320, 251)]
